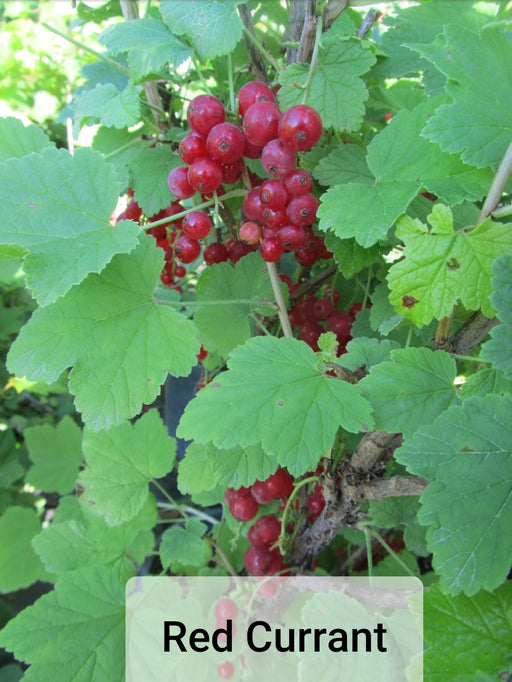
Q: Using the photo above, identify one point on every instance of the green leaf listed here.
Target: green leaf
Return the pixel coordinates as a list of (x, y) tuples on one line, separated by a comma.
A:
[(120, 464), (109, 106), (396, 512), (206, 467), (120, 148), (59, 207), (498, 348), (11, 468), (383, 317), (74, 633), (17, 140), (257, 401), (350, 256), (56, 453), (88, 541), (403, 164), (484, 382), (336, 90), (364, 352), (213, 27), (19, 564), (466, 453), (150, 170), (454, 626), (121, 342), (411, 389), (473, 125), (345, 163), (228, 324), (149, 43), (442, 266), (185, 546)]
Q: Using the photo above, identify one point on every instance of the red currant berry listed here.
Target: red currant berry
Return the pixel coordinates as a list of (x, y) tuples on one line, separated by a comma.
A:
[(260, 123), (253, 92), (225, 143), (232, 172), (133, 211), (225, 670), (323, 308), (278, 159), (273, 218), (302, 209), (204, 175), (298, 181), (196, 225), (225, 609), (356, 308), (166, 278), (186, 249), (250, 232), (265, 531), (204, 112), (238, 250), (180, 271), (178, 183), (340, 323), (316, 502), (300, 127), (271, 249), (274, 194), (215, 253), (260, 493), (251, 151), (262, 561), (192, 147), (291, 236), (252, 206), (310, 333), (243, 506), (280, 484)]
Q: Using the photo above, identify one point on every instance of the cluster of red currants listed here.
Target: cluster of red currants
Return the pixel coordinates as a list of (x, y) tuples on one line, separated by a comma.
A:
[(262, 558), (279, 212), (315, 315), (165, 234)]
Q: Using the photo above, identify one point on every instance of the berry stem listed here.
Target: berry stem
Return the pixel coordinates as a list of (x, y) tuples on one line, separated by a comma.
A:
[(281, 305), (368, 543), (289, 501), (314, 59), (205, 204), (373, 533)]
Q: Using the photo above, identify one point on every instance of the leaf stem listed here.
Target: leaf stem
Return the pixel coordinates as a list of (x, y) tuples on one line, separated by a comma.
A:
[(314, 59), (201, 77), (281, 306), (232, 301), (288, 504), (88, 49), (369, 556), (232, 103), (395, 556)]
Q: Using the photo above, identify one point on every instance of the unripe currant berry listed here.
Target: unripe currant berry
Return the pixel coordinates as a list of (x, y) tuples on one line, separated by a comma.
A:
[(196, 225), (253, 92), (204, 112), (278, 159), (250, 232), (225, 143), (261, 121), (204, 175), (300, 127)]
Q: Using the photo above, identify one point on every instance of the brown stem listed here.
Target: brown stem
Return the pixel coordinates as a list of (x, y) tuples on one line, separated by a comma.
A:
[(257, 63), (315, 282), (371, 449), (294, 29), (396, 486), (368, 22), (471, 333), (308, 35), (332, 11)]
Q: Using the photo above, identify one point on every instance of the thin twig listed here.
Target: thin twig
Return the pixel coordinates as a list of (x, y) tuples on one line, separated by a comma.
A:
[(281, 306)]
